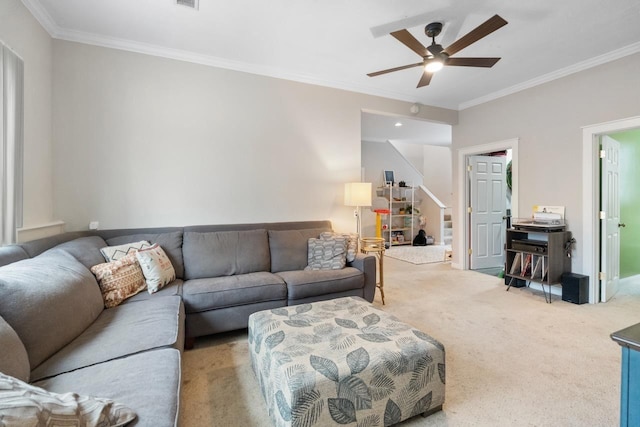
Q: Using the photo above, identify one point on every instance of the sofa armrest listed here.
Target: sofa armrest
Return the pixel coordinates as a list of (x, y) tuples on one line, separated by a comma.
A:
[(367, 264)]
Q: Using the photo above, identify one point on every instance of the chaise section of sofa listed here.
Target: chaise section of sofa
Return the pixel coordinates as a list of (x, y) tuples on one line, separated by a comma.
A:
[(59, 336)]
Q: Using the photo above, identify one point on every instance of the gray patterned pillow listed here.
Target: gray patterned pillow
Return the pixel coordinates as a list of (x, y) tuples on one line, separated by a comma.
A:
[(114, 253), (352, 242), (22, 404), (327, 254)]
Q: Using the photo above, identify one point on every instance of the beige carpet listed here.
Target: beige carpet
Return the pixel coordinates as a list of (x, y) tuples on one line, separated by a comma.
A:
[(512, 359)]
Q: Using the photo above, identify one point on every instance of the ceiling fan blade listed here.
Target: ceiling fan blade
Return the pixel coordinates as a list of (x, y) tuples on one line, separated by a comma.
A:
[(425, 79), (405, 37), (472, 62), (391, 70), (488, 27)]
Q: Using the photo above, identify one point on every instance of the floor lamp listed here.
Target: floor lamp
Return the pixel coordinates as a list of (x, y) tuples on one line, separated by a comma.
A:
[(357, 194)]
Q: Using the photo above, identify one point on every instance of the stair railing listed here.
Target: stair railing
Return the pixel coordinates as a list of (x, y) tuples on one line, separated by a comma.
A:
[(434, 211)]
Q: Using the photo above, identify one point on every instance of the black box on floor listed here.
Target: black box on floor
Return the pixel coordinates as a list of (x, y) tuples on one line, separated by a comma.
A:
[(575, 288), (515, 283)]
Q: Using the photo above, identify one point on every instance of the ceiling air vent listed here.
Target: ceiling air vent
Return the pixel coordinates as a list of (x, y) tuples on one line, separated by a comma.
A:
[(193, 4)]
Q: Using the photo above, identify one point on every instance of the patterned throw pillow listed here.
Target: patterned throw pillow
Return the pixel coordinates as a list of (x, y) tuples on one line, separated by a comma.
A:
[(119, 279), (22, 404), (352, 242), (327, 254), (114, 253), (156, 267)]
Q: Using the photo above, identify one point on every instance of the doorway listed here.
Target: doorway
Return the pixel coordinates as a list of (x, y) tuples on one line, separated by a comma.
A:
[(487, 183), (591, 178), (463, 239)]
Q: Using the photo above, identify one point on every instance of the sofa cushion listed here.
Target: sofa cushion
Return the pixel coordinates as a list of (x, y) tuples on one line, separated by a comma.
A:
[(14, 360), (148, 383), (84, 249), (327, 254), (48, 300), (171, 243), (118, 332), (224, 253), (172, 289), (22, 404), (311, 283), (12, 253), (289, 248), (228, 291), (119, 279)]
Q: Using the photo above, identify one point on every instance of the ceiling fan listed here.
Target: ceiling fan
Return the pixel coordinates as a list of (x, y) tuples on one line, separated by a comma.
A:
[(435, 57)]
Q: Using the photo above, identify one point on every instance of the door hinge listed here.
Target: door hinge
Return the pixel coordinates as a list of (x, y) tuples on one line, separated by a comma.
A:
[(469, 168), (602, 276), (603, 154), (470, 251), (469, 210), (602, 215)]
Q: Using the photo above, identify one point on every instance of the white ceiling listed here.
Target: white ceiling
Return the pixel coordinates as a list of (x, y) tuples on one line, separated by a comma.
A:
[(381, 128), (337, 42)]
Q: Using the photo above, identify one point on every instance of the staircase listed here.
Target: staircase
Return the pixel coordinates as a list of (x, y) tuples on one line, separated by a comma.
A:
[(447, 237)]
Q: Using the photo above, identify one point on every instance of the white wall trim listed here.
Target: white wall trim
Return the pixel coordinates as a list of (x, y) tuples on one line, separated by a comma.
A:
[(42, 16), (558, 74), (591, 197), (26, 234), (212, 61), (461, 228)]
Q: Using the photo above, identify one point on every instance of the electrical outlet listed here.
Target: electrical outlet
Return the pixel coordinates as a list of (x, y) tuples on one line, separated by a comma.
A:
[(355, 213), (93, 225)]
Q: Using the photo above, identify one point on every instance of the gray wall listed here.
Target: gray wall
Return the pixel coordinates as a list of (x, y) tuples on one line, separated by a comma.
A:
[(20, 31), (548, 119), (148, 141)]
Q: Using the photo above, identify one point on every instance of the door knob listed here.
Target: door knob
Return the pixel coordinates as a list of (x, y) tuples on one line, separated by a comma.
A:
[(622, 225)]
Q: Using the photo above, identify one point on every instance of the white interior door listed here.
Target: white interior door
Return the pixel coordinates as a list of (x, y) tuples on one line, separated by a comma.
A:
[(610, 224), (488, 202)]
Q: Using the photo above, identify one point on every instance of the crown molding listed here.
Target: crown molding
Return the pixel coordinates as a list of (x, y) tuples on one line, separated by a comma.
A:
[(245, 67), (42, 16), (55, 31), (581, 66)]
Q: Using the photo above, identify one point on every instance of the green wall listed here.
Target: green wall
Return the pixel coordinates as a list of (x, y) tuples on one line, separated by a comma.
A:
[(629, 201)]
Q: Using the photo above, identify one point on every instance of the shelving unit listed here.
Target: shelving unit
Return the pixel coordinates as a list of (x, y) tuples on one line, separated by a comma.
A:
[(399, 228), (536, 256)]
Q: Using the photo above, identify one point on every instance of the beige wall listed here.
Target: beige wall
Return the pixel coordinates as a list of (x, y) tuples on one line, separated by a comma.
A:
[(148, 141), (548, 120), (437, 172), (22, 33)]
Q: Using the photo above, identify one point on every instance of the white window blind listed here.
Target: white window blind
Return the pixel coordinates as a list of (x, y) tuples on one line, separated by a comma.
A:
[(11, 133)]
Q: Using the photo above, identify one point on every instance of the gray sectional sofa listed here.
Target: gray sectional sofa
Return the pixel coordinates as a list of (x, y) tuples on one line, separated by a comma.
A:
[(56, 334)]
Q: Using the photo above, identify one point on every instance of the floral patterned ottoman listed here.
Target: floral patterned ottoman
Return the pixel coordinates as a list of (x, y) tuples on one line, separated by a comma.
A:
[(344, 362)]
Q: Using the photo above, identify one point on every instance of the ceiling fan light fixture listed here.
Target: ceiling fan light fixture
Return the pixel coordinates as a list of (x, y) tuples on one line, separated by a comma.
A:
[(434, 66)]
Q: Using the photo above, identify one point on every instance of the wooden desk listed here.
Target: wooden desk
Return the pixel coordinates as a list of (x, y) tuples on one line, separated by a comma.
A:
[(375, 245)]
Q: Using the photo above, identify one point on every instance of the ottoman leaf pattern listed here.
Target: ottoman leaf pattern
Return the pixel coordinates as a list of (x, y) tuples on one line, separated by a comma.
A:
[(358, 360), (325, 366), (343, 362)]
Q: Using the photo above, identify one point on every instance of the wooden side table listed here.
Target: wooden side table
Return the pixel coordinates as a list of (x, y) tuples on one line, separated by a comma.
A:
[(375, 245)]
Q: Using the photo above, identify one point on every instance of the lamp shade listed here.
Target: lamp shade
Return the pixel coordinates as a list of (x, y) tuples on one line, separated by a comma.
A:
[(357, 194)]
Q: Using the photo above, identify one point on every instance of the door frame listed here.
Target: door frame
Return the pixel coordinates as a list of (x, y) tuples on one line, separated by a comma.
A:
[(463, 189), (591, 196)]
